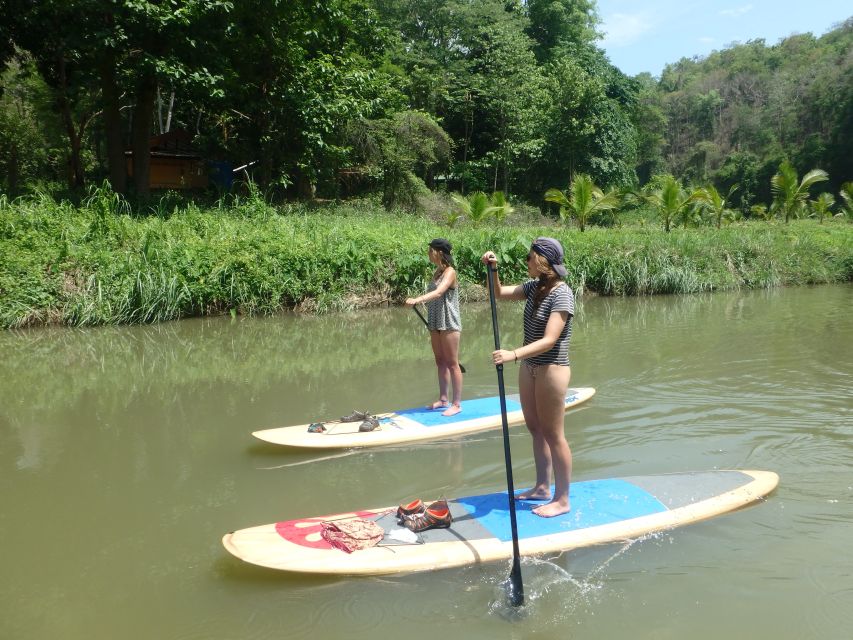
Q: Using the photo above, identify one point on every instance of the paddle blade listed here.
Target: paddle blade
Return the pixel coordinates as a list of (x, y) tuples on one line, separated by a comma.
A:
[(515, 588)]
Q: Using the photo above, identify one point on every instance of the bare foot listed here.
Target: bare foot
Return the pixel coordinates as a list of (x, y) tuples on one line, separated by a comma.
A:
[(534, 494), (452, 410), (438, 404), (551, 509)]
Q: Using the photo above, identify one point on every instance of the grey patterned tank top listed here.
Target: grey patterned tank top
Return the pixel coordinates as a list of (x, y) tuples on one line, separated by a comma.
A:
[(443, 313)]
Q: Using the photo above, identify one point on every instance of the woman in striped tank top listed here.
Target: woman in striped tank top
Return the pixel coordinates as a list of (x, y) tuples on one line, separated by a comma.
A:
[(445, 325), (543, 378)]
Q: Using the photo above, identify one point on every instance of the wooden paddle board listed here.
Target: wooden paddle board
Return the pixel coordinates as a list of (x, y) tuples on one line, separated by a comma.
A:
[(411, 425), (602, 511)]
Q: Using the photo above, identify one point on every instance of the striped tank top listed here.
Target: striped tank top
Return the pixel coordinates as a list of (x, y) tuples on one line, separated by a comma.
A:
[(560, 298)]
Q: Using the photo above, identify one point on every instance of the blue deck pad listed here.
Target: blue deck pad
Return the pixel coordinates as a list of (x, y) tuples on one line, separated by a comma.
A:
[(471, 409), (594, 503)]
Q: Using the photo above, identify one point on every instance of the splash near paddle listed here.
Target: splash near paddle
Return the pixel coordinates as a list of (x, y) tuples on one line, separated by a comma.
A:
[(602, 511), (410, 425)]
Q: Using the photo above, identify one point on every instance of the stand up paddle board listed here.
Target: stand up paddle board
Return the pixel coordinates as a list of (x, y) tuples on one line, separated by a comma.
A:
[(410, 425), (602, 511)]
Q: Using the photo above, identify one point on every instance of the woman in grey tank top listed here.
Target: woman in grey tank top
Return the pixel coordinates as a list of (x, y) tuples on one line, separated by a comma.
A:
[(543, 377), (445, 325)]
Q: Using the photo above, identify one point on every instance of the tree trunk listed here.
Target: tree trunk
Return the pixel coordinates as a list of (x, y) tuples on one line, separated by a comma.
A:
[(159, 111), (146, 93), (76, 178), (469, 130), (75, 164), (164, 128), (506, 175), (14, 172), (112, 122), (305, 188), (169, 113)]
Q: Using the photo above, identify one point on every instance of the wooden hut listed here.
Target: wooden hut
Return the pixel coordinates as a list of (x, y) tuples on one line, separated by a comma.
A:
[(174, 164)]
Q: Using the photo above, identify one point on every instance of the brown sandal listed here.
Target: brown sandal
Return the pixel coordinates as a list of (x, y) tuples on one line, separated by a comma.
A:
[(369, 424), (355, 416), (414, 507), (435, 516)]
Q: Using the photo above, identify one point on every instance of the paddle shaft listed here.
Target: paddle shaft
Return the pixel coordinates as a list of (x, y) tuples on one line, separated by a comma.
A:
[(516, 594), (426, 324)]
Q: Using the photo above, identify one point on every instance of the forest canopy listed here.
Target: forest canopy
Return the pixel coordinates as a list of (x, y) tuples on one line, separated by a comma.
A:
[(344, 97)]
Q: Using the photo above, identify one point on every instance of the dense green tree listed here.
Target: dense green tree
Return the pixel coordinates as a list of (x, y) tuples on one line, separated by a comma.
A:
[(734, 115), (54, 35), (649, 124), (30, 134), (588, 131), (297, 72), (472, 66), (508, 103), (91, 52), (400, 151), (556, 24), (519, 88), (828, 107)]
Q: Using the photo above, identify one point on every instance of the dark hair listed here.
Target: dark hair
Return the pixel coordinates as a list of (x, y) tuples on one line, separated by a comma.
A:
[(546, 280), (552, 251), (444, 246)]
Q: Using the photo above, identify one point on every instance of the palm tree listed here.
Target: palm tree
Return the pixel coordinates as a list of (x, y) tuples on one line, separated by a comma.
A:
[(501, 208), (821, 205), (760, 211), (846, 194), (478, 206), (582, 200), (670, 200), (472, 206), (452, 217), (790, 196), (715, 203)]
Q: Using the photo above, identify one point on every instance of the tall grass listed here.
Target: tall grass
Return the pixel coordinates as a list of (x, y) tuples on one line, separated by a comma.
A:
[(100, 263)]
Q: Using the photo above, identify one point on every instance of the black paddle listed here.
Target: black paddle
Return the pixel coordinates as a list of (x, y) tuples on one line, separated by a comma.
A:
[(426, 324), (516, 587)]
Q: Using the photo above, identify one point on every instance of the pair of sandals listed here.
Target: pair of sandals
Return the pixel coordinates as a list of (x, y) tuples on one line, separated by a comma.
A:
[(369, 422), (417, 517)]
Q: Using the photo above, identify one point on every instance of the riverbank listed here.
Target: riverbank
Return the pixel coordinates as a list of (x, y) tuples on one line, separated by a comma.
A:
[(99, 264)]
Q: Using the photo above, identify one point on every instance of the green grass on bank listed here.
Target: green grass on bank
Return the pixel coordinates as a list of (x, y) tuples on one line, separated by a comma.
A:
[(98, 264)]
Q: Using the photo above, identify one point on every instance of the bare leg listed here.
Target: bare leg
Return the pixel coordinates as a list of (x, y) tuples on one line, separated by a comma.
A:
[(541, 454), (443, 373), (551, 385), (450, 355)]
